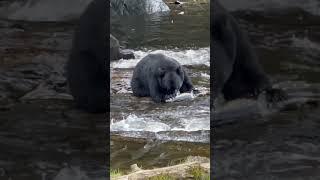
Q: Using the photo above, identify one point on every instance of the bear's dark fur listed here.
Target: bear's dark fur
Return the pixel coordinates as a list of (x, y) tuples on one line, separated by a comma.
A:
[(160, 77), (237, 72), (87, 71)]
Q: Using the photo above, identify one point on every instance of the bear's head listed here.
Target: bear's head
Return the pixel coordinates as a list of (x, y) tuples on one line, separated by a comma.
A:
[(170, 78)]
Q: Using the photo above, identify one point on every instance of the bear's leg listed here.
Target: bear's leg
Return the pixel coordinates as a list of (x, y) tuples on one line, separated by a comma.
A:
[(223, 67), (258, 81), (77, 79), (97, 100), (138, 88), (250, 84), (237, 86), (155, 91), (97, 85), (186, 85), (224, 50)]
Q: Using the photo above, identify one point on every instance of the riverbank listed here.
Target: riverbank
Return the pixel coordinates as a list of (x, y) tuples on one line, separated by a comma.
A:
[(195, 167)]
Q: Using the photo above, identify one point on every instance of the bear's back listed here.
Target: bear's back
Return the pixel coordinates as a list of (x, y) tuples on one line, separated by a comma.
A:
[(158, 60)]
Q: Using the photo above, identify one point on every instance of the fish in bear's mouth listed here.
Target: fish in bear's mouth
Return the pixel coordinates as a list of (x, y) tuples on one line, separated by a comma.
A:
[(171, 94)]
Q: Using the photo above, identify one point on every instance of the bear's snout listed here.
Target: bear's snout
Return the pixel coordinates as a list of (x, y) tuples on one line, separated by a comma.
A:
[(172, 83)]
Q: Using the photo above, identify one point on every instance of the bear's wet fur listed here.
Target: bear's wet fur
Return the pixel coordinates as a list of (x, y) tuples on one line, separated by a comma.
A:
[(159, 77), (237, 72), (87, 72)]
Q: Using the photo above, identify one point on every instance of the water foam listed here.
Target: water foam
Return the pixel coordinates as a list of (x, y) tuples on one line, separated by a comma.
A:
[(184, 124), (184, 57), (188, 124), (135, 123)]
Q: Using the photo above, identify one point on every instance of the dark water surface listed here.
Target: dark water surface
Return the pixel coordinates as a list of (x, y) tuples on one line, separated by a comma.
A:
[(185, 26)]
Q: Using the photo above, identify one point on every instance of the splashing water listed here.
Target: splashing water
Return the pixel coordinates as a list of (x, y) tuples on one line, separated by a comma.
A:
[(184, 57)]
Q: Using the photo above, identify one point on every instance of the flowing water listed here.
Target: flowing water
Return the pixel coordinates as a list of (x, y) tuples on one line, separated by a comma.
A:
[(169, 129), (253, 140)]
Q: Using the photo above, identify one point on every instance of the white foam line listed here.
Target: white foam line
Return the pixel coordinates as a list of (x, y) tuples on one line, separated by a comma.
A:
[(184, 57), (134, 123)]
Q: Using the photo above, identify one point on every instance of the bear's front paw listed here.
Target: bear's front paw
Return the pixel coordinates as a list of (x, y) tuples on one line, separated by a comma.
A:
[(168, 96), (276, 95), (195, 91), (158, 99)]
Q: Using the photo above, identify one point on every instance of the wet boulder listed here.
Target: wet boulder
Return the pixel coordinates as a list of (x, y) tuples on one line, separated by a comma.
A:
[(136, 7), (116, 51)]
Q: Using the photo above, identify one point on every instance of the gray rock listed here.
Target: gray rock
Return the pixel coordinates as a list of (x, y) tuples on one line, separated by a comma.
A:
[(116, 52), (127, 54), (114, 48)]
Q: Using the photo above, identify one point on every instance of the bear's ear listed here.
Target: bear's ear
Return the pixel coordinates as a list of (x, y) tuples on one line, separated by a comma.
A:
[(161, 72)]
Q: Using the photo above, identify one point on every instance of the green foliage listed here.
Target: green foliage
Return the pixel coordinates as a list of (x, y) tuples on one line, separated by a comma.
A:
[(115, 173), (198, 173), (162, 177)]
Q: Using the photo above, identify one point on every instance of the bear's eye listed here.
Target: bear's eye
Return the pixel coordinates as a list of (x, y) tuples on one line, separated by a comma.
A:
[(161, 72), (179, 70)]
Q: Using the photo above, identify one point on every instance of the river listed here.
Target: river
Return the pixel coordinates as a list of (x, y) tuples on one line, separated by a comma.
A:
[(165, 133)]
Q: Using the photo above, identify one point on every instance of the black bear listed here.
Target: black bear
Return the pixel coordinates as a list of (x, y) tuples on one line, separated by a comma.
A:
[(160, 77), (87, 71), (237, 72)]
